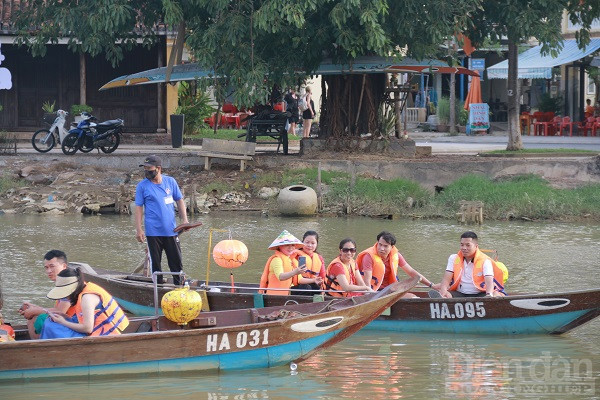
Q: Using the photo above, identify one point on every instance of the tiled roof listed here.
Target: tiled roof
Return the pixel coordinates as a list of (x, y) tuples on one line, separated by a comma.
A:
[(8, 9)]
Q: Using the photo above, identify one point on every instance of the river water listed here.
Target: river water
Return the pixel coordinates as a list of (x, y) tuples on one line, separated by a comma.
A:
[(543, 257)]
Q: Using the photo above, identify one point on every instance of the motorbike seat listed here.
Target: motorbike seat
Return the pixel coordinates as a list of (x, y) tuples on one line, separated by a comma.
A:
[(111, 122)]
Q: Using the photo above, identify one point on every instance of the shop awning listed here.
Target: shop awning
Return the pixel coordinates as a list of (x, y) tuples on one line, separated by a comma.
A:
[(533, 65), (362, 65), (378, 65)]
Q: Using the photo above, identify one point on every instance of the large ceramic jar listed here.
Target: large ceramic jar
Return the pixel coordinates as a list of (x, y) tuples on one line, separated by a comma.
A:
[(297, 200)]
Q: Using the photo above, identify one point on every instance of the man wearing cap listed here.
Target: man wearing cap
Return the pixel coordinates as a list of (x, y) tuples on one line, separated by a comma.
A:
[(155, 199)]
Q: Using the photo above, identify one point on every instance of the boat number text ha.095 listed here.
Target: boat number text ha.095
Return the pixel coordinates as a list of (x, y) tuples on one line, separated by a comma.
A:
[(457, 310), (226, 341)]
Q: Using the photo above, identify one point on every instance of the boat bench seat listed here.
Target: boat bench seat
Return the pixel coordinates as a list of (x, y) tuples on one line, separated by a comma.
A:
[(228, 149)]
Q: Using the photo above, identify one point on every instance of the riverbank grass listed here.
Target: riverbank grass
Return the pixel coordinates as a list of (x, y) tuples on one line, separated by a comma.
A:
[(7, 183), (522, 197), (527, 197)]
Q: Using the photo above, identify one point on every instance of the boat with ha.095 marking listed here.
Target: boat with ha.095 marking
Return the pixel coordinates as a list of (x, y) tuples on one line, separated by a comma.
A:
[(515, 314)]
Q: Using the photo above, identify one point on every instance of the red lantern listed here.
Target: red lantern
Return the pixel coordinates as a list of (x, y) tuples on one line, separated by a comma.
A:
[(230, 253)]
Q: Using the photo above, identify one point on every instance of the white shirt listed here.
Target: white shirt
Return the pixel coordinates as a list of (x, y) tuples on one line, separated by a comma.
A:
[(466, 285)]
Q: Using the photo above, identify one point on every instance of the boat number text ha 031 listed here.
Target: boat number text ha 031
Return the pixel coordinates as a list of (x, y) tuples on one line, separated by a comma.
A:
[(226, 341), (457, 310)]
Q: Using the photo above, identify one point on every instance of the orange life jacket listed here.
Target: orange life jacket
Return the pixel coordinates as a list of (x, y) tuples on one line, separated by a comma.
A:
[(478, 277), (383, 274), (331, 282), (313, 264), (10, 333), (70, 311), (109, 319), (269, 280)]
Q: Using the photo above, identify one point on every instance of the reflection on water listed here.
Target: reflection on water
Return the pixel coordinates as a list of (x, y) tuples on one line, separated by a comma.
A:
[(541, 257)]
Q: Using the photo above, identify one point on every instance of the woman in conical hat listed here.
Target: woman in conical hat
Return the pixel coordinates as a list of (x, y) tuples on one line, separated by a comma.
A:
[(281, 270)]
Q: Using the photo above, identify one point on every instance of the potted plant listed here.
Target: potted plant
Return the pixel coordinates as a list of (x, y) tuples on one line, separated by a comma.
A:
[(443, 114), (77, 109), (49, 114)]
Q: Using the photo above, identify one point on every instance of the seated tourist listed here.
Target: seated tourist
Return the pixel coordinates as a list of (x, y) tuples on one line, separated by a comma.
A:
[(96, 311)]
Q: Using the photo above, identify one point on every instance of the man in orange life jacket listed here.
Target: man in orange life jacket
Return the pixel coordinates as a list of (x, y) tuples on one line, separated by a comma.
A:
[(471, 273), (379, 264)]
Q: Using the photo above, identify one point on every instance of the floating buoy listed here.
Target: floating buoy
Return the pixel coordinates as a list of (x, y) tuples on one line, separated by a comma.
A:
[(230, 253), (504, 270), (181, 305)]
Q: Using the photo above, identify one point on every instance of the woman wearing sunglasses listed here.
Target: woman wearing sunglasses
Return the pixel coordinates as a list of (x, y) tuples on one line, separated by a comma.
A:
[(342, 273)]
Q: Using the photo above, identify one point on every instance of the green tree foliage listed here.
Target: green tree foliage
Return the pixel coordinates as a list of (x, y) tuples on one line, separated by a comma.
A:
[(254, 43)]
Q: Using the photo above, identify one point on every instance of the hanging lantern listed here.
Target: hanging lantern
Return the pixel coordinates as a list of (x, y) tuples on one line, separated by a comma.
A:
[(181, 305), (230, 253)]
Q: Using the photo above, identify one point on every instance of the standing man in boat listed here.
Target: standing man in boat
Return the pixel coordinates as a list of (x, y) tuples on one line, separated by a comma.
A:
[(379, 264), (471, 273), (155, 199), (55, 261)]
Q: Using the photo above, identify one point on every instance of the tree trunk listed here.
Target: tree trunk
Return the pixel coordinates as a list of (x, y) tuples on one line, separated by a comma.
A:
[(514, 129), (452, 103), (341, 103)]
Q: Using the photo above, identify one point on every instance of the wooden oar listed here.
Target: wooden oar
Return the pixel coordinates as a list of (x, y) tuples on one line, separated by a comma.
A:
[(186, 227)]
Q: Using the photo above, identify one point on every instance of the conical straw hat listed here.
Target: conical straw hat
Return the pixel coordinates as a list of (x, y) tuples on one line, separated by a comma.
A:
[(285, 238)]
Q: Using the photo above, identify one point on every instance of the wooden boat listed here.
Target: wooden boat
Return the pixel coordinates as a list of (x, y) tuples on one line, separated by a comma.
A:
[(555, 313), (218, 340)]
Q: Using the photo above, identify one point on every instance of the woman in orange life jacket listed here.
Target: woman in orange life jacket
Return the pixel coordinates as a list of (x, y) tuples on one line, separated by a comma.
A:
[(342, 273), (96, 311), (379, 264), (314, 275), (471, 273), (282, 270)]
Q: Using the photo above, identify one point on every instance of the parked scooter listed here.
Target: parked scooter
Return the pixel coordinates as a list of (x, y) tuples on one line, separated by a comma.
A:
[(44, 140), (88, 135)]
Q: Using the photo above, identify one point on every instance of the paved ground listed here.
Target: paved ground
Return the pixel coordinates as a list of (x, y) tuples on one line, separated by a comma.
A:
[(441, 143)]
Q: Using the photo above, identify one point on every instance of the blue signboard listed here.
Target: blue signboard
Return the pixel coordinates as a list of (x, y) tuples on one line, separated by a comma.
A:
[(478, 63)]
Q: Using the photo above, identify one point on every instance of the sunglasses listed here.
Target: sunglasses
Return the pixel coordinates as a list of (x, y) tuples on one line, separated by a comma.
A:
[(349, 249)]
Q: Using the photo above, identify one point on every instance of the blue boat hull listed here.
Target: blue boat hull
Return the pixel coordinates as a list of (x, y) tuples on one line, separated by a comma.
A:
[(258, 358), (539, 324)]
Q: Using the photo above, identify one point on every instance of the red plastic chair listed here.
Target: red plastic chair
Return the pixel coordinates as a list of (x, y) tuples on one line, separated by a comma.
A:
[(229, 108), (564, 124), (211, 121), (587, 125), (232, 120), (537, 116), (547, 125), (596, 126)]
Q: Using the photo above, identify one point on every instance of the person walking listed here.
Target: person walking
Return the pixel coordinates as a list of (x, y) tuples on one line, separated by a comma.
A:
[(155, 199)]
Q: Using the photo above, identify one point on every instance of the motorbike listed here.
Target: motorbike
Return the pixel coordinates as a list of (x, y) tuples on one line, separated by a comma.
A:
[(44, 140), (89, 135)]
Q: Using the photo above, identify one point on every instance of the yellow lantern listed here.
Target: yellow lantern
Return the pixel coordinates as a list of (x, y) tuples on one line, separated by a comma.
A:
[(230, 253), (181, 305)]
